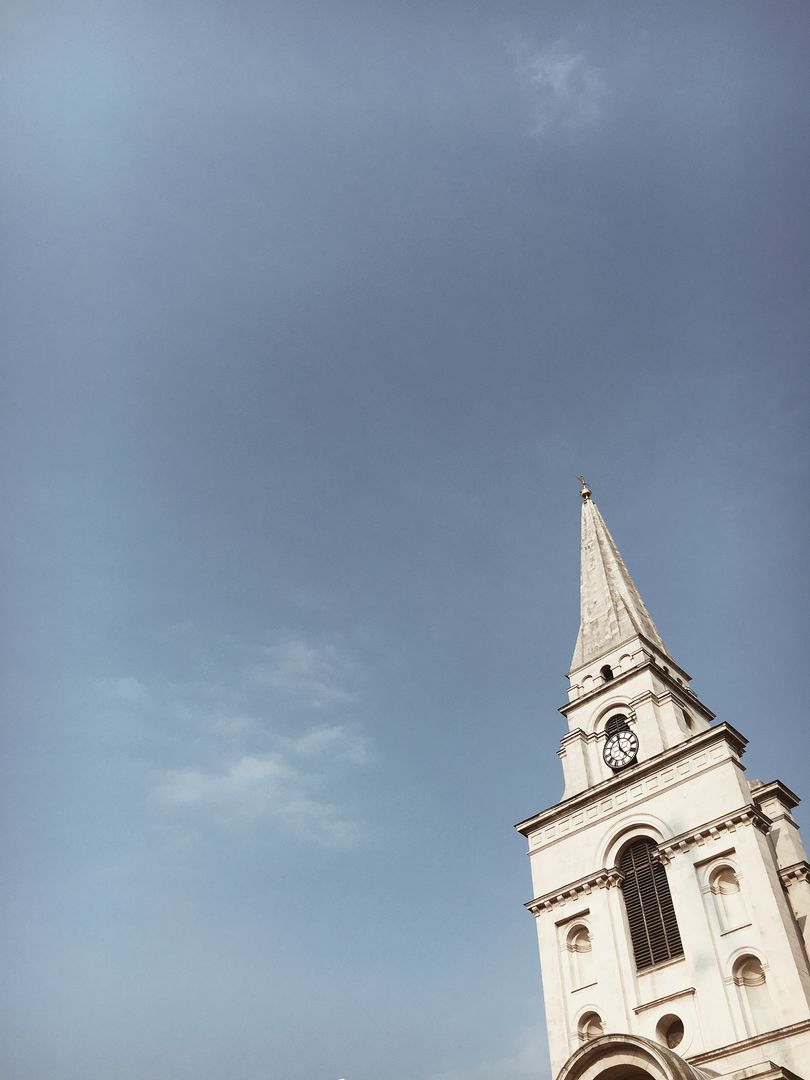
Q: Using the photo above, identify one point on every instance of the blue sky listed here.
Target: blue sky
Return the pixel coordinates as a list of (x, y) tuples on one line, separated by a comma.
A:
[(311, 314)]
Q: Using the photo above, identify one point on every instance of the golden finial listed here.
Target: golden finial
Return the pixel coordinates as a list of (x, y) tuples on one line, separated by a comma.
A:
[(586, 491)]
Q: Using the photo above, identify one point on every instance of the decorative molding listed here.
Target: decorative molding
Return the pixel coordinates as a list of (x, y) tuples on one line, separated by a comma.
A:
[(587, 986), (793, 874), (663, 1000), (709, 1056), (602, 879), (666, 851), (651, 970), (703, 752), (650, 656), (714, 857), (582, 913), (713, 830), (577, 694), (734, 929), (776, 790)]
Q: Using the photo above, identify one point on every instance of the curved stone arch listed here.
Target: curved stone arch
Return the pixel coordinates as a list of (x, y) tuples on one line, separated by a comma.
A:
[(576, 934), (713, 869), (581, 1017), (617, 704), (630, 1056), (624, 663), (740, 953), (631, 828)]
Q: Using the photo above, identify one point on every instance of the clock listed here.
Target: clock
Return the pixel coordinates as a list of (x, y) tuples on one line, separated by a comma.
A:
[(621, 749)]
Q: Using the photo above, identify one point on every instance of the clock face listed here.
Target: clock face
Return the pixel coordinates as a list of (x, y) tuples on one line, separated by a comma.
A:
[(620, 749)]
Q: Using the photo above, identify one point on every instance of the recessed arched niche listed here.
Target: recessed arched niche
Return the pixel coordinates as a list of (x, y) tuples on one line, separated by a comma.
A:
[(753, 993), (579, 949), (590, 1026), (729, 903)]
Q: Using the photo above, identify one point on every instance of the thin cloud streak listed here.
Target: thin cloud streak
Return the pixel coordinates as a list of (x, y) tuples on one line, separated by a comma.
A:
[(243, 759), (282, 789), (566, 90), (310, 674), (127, 689)]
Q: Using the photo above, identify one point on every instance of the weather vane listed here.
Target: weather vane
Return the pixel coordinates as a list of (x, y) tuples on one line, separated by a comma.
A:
[(586, 491)]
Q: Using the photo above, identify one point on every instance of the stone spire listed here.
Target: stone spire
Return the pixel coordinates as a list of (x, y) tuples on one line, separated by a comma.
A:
[(611, 608)]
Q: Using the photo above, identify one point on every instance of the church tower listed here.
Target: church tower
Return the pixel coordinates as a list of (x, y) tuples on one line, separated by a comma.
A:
[(671, 893)]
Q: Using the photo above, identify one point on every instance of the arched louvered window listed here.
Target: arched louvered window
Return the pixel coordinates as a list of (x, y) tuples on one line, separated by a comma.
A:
[(616, 723), (650, 911)]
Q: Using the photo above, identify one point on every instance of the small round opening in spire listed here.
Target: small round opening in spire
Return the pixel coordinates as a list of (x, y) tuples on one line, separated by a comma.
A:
[(585, 491)]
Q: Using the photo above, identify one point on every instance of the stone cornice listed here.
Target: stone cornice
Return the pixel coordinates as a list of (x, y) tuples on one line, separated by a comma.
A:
[(657, 654), (579, 734), (712, 830), (635, 775), (650, 660), (612, 877), (776, 789), (617, 680), (686, 701), (709, 1056), (602, 879), (793, 874)]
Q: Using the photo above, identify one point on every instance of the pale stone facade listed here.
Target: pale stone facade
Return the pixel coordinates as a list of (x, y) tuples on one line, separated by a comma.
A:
[(733, 998)]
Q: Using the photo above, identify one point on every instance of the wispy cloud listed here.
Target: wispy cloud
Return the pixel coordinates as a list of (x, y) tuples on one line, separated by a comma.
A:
[(308, 673), (283, 788), (335, 742), (241, 747), (125, 689), (566, 90)]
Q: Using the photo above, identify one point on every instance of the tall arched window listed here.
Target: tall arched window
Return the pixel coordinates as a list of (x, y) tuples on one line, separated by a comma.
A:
[(650, 911)]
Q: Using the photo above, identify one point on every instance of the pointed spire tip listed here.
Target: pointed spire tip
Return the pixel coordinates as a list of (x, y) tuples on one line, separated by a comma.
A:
[(611, 608)]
